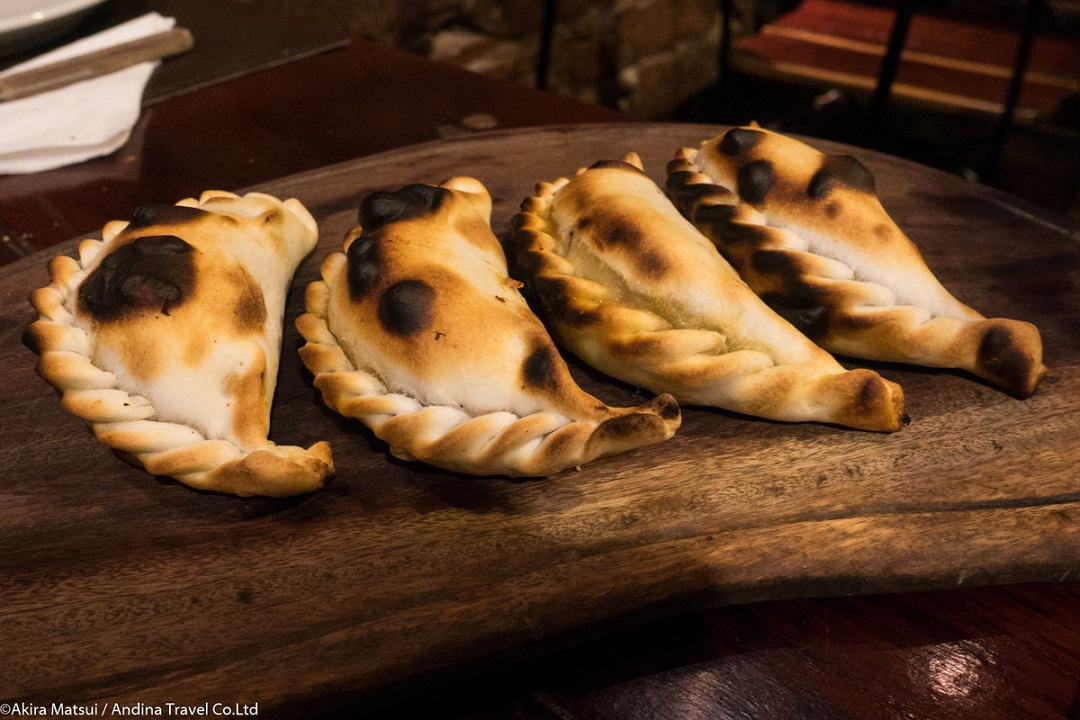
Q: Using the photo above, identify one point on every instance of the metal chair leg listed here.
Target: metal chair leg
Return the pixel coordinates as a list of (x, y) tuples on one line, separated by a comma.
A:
[(547, 34), (879, 104), (1016, 85)]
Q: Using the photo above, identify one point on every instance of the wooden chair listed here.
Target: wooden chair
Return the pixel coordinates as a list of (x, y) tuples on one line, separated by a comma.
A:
[(896, 53)]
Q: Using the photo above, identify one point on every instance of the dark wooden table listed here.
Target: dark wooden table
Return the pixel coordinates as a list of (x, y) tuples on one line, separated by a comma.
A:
[(110, 582)]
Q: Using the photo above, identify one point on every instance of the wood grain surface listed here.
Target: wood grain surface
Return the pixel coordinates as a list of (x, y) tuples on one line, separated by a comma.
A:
[(123, 587)]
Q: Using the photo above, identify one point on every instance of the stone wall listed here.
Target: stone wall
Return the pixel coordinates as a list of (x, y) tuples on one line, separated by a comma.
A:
[(645, 57), (642, 56)]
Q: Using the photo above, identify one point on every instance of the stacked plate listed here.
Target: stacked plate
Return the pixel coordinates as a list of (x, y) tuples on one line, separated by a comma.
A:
[(27, 23)]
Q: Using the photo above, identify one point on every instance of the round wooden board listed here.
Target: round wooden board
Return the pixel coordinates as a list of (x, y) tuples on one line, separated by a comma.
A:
[(122, 587)]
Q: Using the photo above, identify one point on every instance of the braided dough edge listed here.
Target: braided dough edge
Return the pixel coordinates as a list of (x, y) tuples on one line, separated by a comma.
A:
[(641, 347), (863, 318), (498, 443), (129, 423)]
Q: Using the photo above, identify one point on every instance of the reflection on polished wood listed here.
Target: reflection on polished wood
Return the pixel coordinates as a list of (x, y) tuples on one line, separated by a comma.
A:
[(405, 592), (948, 656)]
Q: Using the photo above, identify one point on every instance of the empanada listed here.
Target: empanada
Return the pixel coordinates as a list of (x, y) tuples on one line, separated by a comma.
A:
[(630, 286), (165, 336), (417, 330), (807, 232)]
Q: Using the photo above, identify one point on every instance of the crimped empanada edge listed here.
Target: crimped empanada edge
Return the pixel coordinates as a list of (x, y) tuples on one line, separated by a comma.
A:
[(1004, 352), (498, 443), (542, 270), (128, 423)]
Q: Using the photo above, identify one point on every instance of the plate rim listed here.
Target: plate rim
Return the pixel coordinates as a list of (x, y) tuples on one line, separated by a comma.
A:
[(25, 20)]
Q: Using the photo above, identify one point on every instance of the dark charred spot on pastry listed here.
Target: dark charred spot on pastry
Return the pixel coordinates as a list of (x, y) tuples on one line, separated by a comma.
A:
[(250, 310), (854, 323), (882, 232), (666, 407), (522, 263), (559, 444), (557, 300), (722, 218), (874, 404), (630, 425), (810, 318), (153, 214), (615, 164), (416, 200), (839, 171), (156, 272), (624, 235), (870, 394), (802, 304), (738, 139), (719, 214), (779, 263), (995, 341), (653, 419), (686, 194), (541, 368), (652, 264), (406, 307), (756, 180), (1004, 362), (364, 266)]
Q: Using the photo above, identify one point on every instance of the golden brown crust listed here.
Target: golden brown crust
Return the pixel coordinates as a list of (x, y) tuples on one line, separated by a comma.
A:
[(627, 284), (807, 232), (417, 330), (165, 336)]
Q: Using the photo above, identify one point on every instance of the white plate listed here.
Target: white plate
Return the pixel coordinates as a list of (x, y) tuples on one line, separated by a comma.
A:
[(25, 23)]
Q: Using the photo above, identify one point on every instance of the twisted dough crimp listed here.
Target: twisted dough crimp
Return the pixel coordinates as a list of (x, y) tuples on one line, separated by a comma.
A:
[(128, 422), (433, 381), (627, 284), (807, 233)]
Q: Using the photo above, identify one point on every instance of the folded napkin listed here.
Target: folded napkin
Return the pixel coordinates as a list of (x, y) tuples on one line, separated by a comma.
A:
[(80, 121)]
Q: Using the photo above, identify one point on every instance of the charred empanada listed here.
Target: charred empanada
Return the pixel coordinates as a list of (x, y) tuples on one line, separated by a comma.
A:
[(417, 330), (630, 286), (807, 232), (165, 336)]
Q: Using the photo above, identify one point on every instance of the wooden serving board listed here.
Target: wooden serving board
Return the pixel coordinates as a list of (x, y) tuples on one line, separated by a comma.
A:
[(118, 586)]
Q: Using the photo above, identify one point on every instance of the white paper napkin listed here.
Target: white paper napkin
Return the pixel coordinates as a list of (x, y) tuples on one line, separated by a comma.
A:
[(83, 120)]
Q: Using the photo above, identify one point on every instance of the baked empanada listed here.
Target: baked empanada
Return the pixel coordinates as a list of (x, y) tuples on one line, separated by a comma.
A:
[(629, 285), (417, 330), (165, 336), (807, 232)]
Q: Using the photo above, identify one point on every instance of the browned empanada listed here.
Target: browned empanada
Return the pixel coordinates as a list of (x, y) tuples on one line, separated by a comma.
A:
[(807, 232), (417, 330), (165, 336), (630, 286)]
